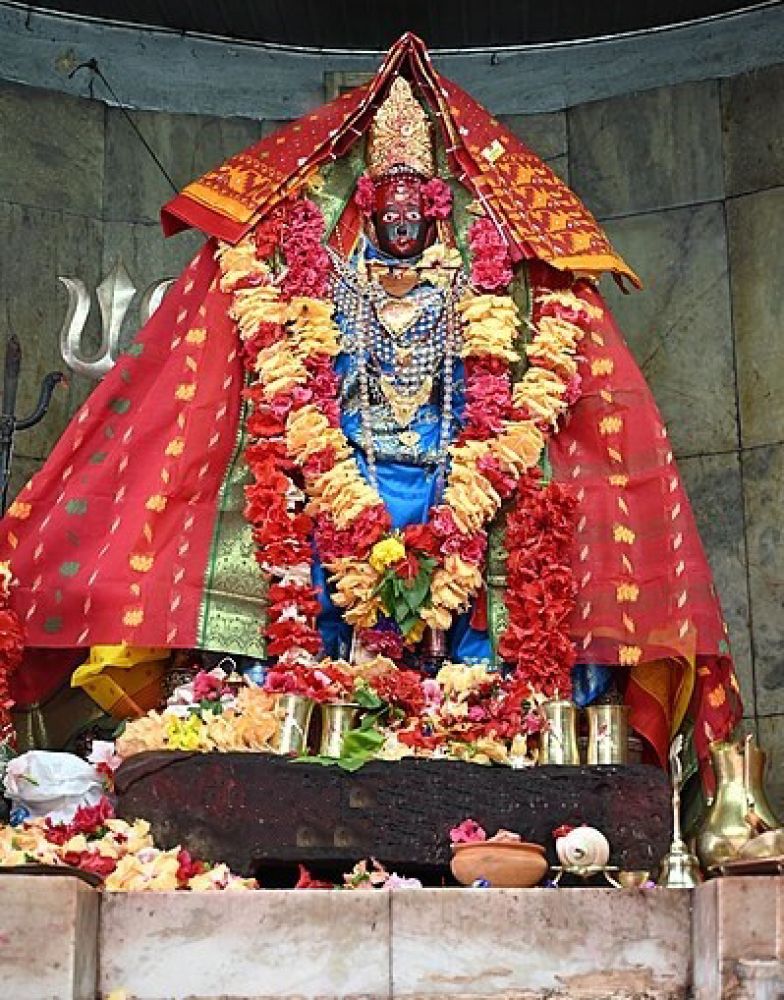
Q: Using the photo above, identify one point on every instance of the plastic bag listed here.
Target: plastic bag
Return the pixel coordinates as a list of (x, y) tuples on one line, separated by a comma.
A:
[(52, 784)]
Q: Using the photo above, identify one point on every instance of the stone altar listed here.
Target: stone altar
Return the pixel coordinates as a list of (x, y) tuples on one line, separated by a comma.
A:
[(258, 811)]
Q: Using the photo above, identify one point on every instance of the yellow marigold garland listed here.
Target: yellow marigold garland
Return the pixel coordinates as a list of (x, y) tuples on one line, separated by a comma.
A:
[(340, 492)]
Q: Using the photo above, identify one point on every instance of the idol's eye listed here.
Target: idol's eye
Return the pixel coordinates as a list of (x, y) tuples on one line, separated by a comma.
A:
[(414, 216), (390, 216)]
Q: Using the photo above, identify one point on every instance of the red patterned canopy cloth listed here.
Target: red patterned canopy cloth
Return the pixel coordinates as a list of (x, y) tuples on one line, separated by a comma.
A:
[(133, 529)]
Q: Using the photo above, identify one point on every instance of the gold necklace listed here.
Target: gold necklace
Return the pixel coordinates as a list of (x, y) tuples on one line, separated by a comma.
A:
[(405, 407)]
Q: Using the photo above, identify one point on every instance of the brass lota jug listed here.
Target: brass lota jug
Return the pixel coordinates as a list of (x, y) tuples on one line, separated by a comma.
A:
[(756, 758), (739, 769)]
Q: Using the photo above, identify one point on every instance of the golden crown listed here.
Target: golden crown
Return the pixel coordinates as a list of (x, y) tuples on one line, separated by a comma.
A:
[(400, 135)]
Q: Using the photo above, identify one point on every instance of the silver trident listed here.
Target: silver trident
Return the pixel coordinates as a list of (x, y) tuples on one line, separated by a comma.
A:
[(115, 294)]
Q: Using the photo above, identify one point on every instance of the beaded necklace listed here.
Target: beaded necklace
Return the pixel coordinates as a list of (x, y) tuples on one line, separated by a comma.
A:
[(361, 298)]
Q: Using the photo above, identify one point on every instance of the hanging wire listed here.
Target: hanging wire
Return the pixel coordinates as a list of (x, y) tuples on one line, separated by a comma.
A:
[(95, 69)]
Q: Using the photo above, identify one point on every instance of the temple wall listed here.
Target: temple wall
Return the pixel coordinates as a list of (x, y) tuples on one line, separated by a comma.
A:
[(687, 177)]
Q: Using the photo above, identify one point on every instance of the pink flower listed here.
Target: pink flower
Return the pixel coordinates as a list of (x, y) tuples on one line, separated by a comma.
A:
[(365, 195), (102, 755), (437, 199), (574, 389), (207, 687), (434, 696), (395, 881), (468, 832), (442, 522), (471, 548), (491, 268), (491, 275)]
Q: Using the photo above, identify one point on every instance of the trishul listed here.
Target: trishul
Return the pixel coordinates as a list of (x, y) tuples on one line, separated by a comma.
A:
[(115, 294)]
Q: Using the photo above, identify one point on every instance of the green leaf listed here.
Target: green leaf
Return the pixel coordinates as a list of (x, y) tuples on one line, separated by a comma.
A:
[(359, 746), (367, 697)]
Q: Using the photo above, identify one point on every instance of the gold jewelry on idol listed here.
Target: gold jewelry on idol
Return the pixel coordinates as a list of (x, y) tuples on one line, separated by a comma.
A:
[(400, 135), (405, 407)]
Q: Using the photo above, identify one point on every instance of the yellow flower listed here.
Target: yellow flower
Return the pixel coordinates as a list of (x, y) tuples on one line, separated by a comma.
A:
[(386, 553), (184, 734)]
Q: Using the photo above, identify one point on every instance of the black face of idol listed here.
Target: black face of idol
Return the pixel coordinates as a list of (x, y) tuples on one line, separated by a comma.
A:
[(401, 226)]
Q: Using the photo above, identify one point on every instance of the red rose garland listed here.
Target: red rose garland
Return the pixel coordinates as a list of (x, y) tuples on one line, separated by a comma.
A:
[(540, 587), (281, 531)]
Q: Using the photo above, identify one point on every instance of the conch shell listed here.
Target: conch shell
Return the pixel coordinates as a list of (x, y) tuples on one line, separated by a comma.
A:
[(581, 846)]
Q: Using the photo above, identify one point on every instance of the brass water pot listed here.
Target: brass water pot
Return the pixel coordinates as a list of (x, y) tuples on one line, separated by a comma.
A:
[(337, 719), (295, 711), (559, 737), (725, 829), (608, 734)]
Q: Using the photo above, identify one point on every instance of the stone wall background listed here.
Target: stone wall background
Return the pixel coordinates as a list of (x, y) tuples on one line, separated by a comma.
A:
[(689, 182)]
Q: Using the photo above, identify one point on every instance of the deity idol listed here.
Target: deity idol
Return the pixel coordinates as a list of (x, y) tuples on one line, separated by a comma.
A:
[(384, 410)]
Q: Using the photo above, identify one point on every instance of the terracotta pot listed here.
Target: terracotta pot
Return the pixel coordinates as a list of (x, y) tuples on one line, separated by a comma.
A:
[(503, 865)]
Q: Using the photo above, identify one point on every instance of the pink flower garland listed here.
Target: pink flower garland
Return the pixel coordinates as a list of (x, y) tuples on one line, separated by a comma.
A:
[(491, 265)]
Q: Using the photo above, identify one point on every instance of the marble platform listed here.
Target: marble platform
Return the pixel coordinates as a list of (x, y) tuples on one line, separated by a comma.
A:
[(60, 939)]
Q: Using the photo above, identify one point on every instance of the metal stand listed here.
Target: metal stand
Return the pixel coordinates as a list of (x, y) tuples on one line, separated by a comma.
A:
[(9, 422)]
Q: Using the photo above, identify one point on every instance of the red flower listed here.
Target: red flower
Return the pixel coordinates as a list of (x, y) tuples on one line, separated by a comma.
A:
[(89, 819), (469, 547), (306, 881), (540, 595), (407, 568), (267, 233), (442, 522), (382, 642), (421, 538), (188, 867), (402, 688), (90, 861)]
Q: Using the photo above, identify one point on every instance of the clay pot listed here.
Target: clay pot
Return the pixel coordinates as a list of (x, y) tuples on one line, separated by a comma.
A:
[(503, 865)]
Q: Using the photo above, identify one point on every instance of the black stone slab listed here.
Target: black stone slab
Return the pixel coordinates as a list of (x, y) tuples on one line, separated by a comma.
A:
[(257, 810)]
